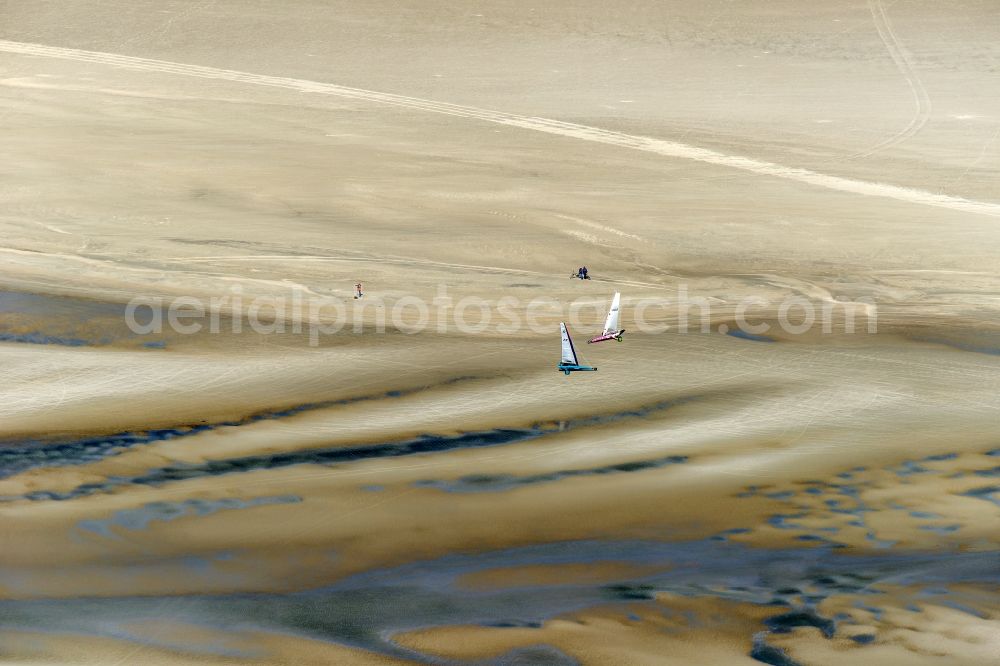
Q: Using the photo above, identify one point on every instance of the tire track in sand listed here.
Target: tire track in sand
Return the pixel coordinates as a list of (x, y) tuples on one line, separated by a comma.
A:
[(902, 60), (549, 126)]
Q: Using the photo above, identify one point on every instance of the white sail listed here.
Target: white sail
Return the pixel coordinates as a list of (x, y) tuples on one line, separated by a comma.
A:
[(568, 352), (611, 325)]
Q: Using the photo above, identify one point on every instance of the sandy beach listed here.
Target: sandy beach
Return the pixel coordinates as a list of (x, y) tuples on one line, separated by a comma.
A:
[(312, 478)]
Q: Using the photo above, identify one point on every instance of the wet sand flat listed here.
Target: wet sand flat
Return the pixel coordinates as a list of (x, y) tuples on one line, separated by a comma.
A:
[(399, 490)]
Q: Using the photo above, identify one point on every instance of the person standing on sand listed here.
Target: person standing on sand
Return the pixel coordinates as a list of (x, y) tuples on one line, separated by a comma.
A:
[(360, 293)]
